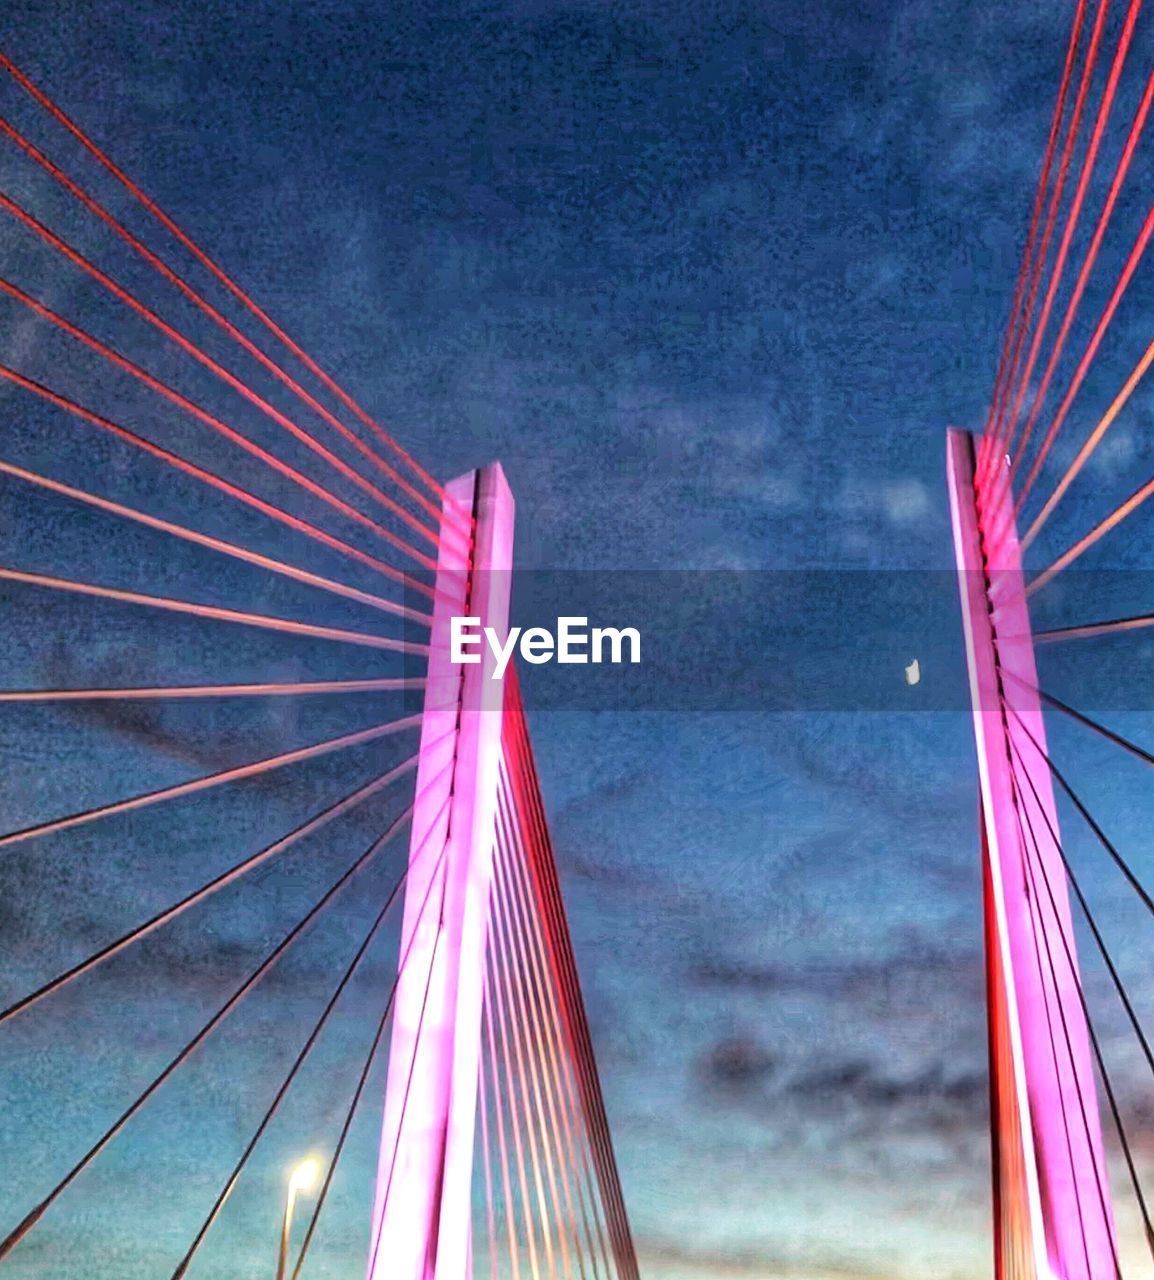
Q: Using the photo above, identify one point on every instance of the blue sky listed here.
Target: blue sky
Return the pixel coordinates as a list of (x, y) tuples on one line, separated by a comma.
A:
[(710, 281)]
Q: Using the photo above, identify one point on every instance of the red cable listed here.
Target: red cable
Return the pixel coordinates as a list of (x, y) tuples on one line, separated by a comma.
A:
[(1072, 217), (214, 314), (231, 549), (128, 366), (217, 482), (266, 621), (495, 999), (495, 1075), (569, 996), (363, 1079), (211, 690), (593, 1110), (138, 194), (560, 984), (501, 943), (996, 402), (544, 871), (561, 1095), (1008, 425), (155, 261), (1089, 631), (207, 781), (241, 338), (490, 1215), (1135, 500), (30, 1220), (213, 886), (290, 1076), (547, 865), (1093, 440), (530, 1032), (1120, 173)]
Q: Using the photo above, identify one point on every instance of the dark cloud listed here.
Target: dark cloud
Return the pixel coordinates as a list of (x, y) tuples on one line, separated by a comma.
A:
[(736, 1065), (864, 1086), (921, 967)]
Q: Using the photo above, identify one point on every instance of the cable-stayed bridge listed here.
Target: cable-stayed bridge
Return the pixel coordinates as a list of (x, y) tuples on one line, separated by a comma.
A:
[(229, 713)]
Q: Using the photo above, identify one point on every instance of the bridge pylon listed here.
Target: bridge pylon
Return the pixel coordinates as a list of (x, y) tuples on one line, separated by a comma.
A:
[(1052, 1207), (421, 1228)]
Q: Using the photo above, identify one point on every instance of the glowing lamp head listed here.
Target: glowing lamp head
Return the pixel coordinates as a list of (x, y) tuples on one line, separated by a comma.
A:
[(304, 1176)]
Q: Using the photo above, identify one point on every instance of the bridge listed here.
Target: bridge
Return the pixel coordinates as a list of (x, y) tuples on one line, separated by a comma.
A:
[(431, 976), (495, 1153)]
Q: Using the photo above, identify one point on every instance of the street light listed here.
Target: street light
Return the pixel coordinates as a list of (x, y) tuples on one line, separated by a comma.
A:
[(302, 1178)]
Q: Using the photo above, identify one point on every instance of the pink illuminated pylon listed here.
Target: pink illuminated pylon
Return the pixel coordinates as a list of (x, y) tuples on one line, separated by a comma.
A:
[(423, 1212), (1051, 1194)]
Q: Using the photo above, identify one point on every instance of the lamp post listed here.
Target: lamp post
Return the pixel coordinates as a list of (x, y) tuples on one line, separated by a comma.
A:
[(302, 1178)]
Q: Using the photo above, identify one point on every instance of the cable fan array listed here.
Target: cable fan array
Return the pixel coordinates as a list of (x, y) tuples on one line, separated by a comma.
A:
[(552, 1197), (219, 574), (1042, 383)]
